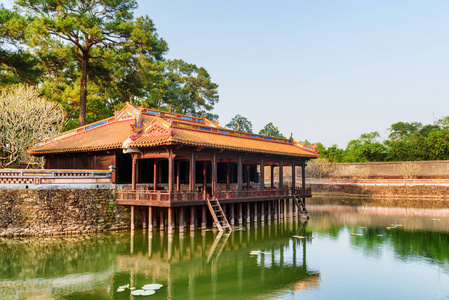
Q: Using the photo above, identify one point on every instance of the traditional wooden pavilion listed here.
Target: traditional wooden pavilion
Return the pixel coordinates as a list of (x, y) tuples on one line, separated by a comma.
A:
[(170, 162)]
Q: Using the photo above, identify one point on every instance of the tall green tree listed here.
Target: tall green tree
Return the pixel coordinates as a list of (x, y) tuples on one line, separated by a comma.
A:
[(401, 130), (16, 64), (367, 148), (184, 88), (82, 35), (271, 130), (239, 122)]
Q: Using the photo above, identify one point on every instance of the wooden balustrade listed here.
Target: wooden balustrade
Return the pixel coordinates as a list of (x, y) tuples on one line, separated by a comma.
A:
[(175, 196)]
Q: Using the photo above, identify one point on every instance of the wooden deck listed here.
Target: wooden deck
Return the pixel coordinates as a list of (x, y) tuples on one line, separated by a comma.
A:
[(188, 198)]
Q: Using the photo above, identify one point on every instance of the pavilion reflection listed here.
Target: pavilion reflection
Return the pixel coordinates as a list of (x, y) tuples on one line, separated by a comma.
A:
[(209, 264)]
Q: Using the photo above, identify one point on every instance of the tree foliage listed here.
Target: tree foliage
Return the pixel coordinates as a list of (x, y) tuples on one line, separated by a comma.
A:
[(271, 130), (319, 168), (239, 122), (25, 117), (406, 142), (95, 55), (16, 64)]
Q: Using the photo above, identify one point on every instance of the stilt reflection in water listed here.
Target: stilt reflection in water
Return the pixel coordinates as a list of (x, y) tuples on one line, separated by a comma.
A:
[(217, 265)]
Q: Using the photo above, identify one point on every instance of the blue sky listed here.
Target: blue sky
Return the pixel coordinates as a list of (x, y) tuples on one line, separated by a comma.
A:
[(327, 71)]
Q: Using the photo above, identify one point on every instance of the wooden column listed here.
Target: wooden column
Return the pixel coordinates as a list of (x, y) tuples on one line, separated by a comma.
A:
[(192, 218), (228, 175), (134, 171), (214, 175), (262, 174), (192, 178), (154, 175), (281, 175), (178, 181), (204, 180), (272, 176), (170, 171), (239, 174), (248, 168), (293, 177), (150, 218), (303, 174)]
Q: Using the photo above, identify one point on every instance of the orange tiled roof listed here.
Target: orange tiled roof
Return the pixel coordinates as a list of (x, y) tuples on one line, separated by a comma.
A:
[(158, 128), (106, 136)]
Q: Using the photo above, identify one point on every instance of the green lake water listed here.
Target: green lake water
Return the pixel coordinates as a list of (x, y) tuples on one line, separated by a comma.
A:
[(354, 251)]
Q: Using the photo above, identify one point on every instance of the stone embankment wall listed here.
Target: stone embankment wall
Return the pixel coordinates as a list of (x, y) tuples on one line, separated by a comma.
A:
[(39, 212), (385, 191), (417, 169)]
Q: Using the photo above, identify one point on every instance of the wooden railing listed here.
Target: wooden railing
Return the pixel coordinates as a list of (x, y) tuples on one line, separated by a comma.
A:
[(165, 196), (148, 195), (39, 178)]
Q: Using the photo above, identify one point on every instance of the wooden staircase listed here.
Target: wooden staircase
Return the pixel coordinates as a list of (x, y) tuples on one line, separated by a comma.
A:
[(300, 204), (218, 215)]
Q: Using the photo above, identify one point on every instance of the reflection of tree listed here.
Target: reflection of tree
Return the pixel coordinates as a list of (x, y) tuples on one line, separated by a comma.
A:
[(55, 257), (409, 245)]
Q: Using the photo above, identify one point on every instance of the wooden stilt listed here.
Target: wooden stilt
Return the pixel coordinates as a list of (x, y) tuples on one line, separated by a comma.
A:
[(182, 219), (203, 217), (255, 212), (240, 213), (144, 218), (150, 218), (262, 211), (154, 217), (276, 209), (248, 213), (132, 217), (170, 220), (192, 218), (161, 219), (269, 212), (231, 213)]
